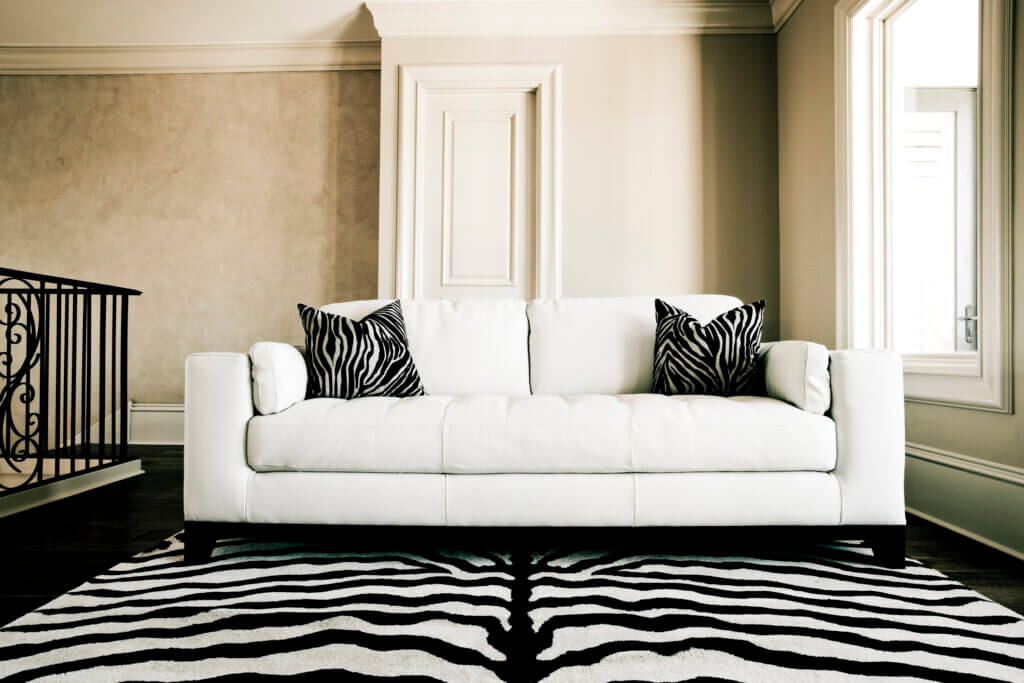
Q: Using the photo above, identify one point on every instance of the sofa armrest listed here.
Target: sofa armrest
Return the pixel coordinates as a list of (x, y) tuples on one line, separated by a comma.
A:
[(797, 372), (867, 407), (218, 406)]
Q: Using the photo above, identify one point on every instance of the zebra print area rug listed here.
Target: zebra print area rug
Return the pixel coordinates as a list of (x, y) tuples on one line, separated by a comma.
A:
[(266, 611)]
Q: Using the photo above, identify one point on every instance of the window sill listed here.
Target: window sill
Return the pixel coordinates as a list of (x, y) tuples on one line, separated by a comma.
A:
[(964, 364), (973, 391)]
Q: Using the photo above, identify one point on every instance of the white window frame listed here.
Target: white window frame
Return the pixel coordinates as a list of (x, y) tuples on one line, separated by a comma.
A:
[(981, 380)]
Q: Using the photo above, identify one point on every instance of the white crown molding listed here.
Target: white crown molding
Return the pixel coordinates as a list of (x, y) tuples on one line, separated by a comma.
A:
[(315, 55), (782, 10), (395, 18)]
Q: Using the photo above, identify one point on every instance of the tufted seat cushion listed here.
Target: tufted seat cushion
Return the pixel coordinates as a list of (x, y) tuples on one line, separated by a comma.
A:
[(543, 434)]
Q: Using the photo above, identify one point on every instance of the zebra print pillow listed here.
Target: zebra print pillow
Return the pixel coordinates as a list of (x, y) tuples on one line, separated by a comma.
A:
[(718, 358), (354, 358)]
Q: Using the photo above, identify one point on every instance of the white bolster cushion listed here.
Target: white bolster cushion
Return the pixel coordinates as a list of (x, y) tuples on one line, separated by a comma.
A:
[(797, 372), (278, 376)]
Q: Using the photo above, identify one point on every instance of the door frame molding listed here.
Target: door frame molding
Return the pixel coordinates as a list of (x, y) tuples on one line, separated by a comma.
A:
[(415, 82)]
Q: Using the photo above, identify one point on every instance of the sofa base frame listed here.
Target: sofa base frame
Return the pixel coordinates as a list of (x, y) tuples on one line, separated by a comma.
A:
[(887, 542)]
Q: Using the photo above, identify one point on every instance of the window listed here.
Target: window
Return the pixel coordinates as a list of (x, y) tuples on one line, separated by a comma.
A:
[(934, 222), (923, 190), (932, 89)]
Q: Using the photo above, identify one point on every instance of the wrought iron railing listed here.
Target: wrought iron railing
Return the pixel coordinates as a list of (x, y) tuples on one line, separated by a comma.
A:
[(63, 378)]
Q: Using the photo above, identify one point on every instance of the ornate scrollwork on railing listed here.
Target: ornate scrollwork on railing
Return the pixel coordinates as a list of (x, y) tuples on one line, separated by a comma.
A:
[(63, 377), (21, 310)]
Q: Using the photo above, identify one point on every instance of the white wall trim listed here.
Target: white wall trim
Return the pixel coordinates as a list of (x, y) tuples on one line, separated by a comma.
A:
[(985, 468), (149, 424), (312, 55), (157, 424), (65, 488), (971, 496), (782, 10), (861, 264), (414, 84), (842, 37), (395, 18), (969, 534)]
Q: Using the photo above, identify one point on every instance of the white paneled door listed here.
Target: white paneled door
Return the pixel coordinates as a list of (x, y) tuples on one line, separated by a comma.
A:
[(478, 190), (479, 204)]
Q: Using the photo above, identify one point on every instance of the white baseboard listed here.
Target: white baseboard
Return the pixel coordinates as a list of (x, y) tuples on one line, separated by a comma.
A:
[(153, 424), (980, 499), (149, 424), (969, 534), (64, 488)]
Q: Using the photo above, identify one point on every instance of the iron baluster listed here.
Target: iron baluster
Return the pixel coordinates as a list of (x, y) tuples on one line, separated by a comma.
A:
[(53, 362)]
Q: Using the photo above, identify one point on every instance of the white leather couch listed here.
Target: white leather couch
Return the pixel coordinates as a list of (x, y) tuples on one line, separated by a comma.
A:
[(539, 414)]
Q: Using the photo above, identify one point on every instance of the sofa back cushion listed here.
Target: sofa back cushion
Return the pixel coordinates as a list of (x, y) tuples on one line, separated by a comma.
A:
[(461, 348), (603, 345)]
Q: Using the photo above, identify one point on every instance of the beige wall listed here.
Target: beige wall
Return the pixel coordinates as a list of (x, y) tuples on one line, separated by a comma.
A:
[(807, 281), (669, 157), (226, 198), (807, 229)]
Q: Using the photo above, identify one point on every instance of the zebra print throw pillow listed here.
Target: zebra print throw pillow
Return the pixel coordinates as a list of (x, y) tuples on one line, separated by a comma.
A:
[(354, 358), (719, 358)]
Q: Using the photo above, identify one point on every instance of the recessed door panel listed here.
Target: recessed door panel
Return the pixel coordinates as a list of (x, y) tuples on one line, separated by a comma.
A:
[(479, 184), (478, 204)]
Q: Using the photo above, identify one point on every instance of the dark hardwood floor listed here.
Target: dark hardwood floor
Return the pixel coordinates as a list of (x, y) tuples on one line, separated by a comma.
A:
[(51, 549)]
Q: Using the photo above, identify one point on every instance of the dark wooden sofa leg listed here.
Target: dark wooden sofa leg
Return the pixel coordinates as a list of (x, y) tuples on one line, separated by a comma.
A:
[(889, 546), (199, 542)]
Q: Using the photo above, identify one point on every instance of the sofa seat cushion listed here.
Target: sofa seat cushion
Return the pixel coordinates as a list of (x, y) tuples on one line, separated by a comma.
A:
[(543, 434), (728, 434), (371, 434)]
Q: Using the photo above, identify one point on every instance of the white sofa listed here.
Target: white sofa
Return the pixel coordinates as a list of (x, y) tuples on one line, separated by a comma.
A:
[(538, 414)]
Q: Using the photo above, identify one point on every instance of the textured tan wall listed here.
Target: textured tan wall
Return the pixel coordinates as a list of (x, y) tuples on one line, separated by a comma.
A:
[(807, 263), (226, 198), (807, 230), (669, 160)]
